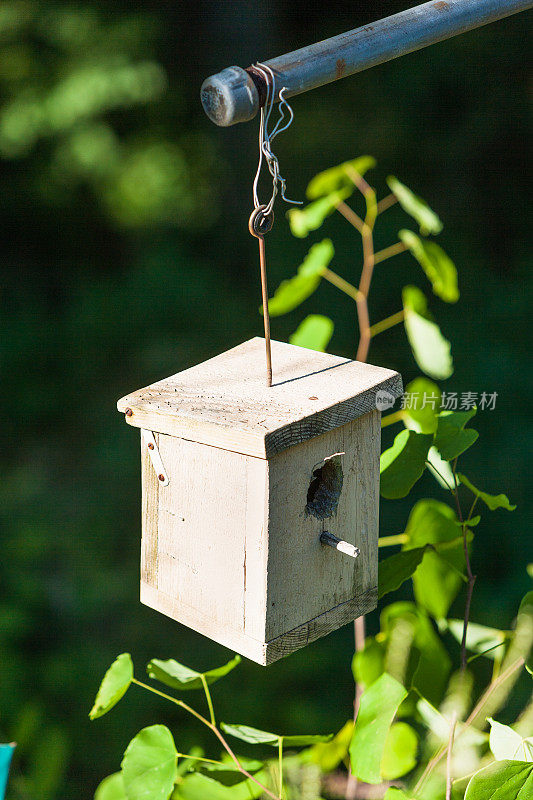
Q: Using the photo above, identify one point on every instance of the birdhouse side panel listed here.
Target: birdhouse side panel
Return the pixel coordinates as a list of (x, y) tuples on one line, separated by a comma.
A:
[(195, 546), (329, 483)]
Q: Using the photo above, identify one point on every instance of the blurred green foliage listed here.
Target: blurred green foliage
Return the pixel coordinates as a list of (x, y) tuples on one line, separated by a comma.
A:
[(124, 219)]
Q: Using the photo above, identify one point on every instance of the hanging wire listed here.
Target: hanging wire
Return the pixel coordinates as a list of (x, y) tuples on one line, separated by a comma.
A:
[(266, 138)]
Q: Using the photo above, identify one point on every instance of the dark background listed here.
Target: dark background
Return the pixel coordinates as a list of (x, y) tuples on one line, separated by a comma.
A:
[(126, 258)]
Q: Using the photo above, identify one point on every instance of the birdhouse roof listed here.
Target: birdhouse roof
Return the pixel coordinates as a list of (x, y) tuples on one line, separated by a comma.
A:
[(225, 402)]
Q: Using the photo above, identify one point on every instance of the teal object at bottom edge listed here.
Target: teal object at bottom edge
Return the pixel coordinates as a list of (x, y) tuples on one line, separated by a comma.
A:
[(6, 753)]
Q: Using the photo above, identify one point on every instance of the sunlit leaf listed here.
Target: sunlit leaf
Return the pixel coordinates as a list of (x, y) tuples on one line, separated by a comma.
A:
[(178, 676), (378, 707), (423, 399), (198, 786), (255, 736), (437, 265), (479, 638), (314, 333), (524, 630), (328, 755), (452, 438), (429, 665), (114, 686), (435, 584), (508, 744), (310, 218), (369, 663), (442, 471), (403, 463), (396, 569), (395, 794), (338, 177), (493, 501), (399, 756), (111, 788), (149, 764), (502, 780), (292, 292), (432, 352), (228, 773), (415, 207)]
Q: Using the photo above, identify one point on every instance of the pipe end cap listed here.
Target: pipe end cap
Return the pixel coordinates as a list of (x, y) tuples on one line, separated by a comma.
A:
[(229, 97)]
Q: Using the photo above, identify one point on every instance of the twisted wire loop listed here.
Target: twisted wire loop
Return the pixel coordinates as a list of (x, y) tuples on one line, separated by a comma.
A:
[(266, 138)]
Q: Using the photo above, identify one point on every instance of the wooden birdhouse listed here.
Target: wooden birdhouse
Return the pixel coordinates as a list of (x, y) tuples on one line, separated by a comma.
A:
[(244, 488)]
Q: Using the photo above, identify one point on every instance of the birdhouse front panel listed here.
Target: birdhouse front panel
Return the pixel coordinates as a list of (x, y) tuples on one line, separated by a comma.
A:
[(245, 486)]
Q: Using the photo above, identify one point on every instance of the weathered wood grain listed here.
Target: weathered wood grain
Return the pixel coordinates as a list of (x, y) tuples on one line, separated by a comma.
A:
[(305, 577), (225, 402), (150, 515)]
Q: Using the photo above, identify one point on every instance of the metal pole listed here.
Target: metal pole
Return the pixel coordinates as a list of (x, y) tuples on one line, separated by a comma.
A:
[(235, 95)]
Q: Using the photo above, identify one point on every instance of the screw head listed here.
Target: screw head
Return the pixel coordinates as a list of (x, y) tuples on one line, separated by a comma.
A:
[(161, 477), (150, 445), (129, 412)]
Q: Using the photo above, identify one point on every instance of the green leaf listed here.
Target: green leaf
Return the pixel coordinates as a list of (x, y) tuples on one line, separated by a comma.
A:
[(198, 786), (479, 638), (442, 471), (529, 569), (338, 177), (399, 756), (314, 333), (430, 349), (228, 774), (178, 676), (378, 707), (415, 207), (369, 663), (437, 265), (396, 569), (508, 744), (395, 794), (114, 686), (310, 218), (292, 292), (403, 463), (111, 788), (524, 630), (423, 405), (452, 438), (255, 736), (502, 780), (149, 765), (493, 501), (429, 665), (328, 755), (435, 584)]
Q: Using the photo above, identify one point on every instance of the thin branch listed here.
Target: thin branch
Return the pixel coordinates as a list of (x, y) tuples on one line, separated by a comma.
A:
[(449, 757), (388, 322), (475, 713), (349, 214), (386, 202), (215, 730), (341, 284), (390, 541), (388, 252), (208, 698), (360, 635), (471, 577)]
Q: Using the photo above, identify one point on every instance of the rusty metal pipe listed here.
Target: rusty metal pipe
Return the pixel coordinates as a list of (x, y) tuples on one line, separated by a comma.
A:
[(235, 95)]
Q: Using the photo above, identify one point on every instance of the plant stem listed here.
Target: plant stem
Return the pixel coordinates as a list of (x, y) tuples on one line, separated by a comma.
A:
[(475, 713), (280, 765), (209, 701), (471, 577), (349, 214), (199, 758), (386, 202), (341, 284), (389, 541), (390, 419), (449, 757), (387, 323), (388, 252), (214, 729)]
